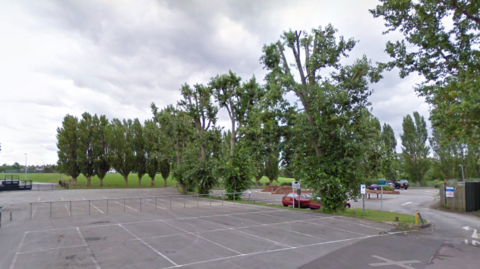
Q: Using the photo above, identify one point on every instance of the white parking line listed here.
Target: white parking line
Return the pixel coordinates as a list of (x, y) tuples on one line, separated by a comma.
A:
[(96, 208), (127, 206), (150, 247), (39, 198), (67, 209), (18, 251), (90, 251), (62, 198), (104, 197), (83, 198), (407, 203)]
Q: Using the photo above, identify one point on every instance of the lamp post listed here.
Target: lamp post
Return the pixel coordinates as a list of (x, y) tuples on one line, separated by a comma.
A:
[(463, 176), (25, 167)]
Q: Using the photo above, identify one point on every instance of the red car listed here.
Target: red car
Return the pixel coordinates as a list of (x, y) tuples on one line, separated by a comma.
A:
[(288, 199), (315, 204)]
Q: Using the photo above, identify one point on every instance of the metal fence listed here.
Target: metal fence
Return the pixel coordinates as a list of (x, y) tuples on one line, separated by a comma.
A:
[(122, 205)]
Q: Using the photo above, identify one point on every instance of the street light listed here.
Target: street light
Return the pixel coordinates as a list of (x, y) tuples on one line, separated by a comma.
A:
[(25, 167), (463, 176)]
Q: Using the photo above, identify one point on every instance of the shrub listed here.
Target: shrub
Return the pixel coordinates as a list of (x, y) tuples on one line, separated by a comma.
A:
[(286, 184)]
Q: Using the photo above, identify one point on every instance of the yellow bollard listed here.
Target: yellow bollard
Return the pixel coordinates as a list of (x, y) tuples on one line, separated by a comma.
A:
[(416, 217)]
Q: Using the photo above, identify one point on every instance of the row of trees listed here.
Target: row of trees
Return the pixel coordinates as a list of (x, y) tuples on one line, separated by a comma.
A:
[(328, 139)]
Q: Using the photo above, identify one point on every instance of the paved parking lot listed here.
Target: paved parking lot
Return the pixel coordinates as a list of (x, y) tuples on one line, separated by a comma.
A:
[(193, 233)]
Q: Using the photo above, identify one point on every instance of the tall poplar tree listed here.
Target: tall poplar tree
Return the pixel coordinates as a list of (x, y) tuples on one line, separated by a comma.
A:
[(139, 150), (121, 150), (102, 131), (68, 146), (86, 152), (414, 147)]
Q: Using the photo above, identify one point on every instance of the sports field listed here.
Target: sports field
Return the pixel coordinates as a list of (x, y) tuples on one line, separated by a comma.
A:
[(115, 180), (165, 230)]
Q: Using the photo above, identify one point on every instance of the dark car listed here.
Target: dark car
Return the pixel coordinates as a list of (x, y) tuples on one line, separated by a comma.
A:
[(374, 187), (401, 184), (290, 198)]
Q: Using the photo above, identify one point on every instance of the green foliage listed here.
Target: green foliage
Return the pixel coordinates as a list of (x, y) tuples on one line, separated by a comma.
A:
[(100, 146), (443, 36), (324, 137), (164, 167), (414, 148), (236, 172), (271, 167), (139, 150), (121, 148), (68, 145), (86, 151)]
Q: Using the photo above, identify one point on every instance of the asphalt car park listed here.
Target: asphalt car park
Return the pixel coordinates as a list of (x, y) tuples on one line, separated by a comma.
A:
[(194, 233)]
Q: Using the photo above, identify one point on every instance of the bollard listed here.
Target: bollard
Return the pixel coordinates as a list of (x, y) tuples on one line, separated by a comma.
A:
[(88, 207), (107, 206)]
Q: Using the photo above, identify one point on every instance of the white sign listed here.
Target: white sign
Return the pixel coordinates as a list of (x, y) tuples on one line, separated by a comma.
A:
[(449, 192), (362, 189), (295, 185)]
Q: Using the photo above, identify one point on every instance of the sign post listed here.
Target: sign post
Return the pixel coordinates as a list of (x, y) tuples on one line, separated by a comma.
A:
[(381, 183), (362, 191), (295, 185)]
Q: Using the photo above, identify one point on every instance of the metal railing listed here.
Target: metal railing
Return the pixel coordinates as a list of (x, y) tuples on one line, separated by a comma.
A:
[(132, 203)]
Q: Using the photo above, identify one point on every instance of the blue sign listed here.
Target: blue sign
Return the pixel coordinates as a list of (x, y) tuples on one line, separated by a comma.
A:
[(449, 192)]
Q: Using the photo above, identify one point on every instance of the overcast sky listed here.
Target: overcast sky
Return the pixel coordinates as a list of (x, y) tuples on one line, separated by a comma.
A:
[(116, 57)]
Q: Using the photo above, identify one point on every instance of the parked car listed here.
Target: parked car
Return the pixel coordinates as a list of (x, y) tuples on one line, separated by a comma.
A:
[(390, 184), (374, 187), (290, 198), (402, 183), (315, 204)]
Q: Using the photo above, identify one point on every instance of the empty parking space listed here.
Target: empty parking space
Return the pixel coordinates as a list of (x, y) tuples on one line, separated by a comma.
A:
[(177, 232)]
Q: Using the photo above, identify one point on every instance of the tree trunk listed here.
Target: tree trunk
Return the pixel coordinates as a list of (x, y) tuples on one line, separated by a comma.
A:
[(165, 182), (184, 189), (152, 182), (204, 153), (125, 180), (101, 181), (257, 180), (89, 181), (74, 181), (232, 139), (271, 181)]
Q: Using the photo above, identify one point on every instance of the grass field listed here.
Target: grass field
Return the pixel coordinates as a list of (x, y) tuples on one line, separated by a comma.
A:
[(115, 180)]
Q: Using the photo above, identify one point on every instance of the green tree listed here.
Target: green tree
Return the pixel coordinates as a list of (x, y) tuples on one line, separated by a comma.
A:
[(139, 150), (414, 147), (68, 145), (175, 128), (121, 149), (102, 130), (329, 133), (390, 164), (151, 132), (441, 44), (86, 152), (198, 104)]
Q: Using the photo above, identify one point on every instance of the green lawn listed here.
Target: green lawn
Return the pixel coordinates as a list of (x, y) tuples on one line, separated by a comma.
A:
[(110, 180), (116, 180)]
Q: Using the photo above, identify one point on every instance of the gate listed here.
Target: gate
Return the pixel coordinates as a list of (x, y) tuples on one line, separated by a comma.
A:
[(472, 196)]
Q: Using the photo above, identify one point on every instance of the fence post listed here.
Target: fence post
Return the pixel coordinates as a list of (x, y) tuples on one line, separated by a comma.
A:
[(222, 198), (50, 209), (70, 208), (156, 203), (234, 198), (30, 210), (88, 207), (140, 204)]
